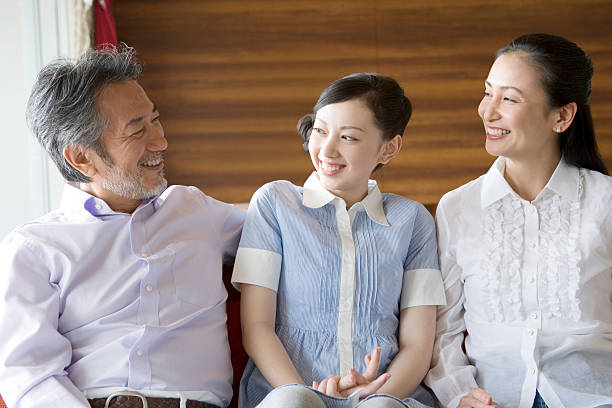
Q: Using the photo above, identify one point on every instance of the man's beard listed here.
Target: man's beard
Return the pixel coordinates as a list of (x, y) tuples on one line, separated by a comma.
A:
[(131, 184)]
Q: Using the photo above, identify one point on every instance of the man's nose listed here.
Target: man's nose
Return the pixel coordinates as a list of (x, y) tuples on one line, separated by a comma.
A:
[(157, 141)]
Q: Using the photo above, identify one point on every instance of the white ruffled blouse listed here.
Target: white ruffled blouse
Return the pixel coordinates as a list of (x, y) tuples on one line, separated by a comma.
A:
[(532, 284)]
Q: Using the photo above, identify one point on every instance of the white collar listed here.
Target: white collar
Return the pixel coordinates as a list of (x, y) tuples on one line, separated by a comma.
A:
[(564, 181), (314, 195)]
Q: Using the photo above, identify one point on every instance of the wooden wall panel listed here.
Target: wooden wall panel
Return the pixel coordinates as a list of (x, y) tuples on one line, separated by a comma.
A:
[(231, 79)]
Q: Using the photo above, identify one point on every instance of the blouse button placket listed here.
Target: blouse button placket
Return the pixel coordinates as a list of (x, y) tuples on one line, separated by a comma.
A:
[(532, 310), (347, 288)]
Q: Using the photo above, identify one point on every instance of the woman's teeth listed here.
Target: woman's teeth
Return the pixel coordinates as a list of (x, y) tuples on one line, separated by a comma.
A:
[(329, 167), (497, 132)]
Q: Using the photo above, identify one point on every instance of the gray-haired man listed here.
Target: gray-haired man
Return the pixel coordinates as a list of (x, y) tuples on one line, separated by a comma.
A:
[(119, 290)]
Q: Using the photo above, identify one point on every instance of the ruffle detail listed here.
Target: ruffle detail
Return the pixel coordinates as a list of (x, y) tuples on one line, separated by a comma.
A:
[(560, 256), (558, 261), (503, 231)]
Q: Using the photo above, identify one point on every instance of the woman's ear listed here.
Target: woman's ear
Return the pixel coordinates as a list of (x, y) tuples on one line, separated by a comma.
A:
[(80, 158), (390, 149), (566, 116)]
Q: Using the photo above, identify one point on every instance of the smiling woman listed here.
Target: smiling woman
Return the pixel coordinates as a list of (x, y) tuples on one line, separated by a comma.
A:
[(526, 249), (339, 281)]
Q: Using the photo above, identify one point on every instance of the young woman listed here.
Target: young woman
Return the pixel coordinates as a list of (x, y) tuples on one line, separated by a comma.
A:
[(526, 249), (334, 270)]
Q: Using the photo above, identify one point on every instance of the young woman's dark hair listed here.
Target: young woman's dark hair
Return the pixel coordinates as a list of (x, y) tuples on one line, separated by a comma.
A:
[(382, 95), (566, 72)]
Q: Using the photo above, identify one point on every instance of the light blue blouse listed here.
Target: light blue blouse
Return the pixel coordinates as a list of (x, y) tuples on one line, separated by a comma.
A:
[(341, 277)]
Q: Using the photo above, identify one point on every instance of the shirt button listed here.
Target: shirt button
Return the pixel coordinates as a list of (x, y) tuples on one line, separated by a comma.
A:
[(531, 279), (144, 255), (533, 371), (98, 206), (534, 315), (530, 332), (149, 288), (532, 245), (139, 352)]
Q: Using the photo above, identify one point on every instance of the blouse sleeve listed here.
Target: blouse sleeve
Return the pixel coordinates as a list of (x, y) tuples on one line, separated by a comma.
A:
[(451, 375), (422, 283), (259, 255)]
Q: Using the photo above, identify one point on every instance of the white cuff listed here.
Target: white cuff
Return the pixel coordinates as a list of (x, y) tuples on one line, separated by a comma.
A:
[(257, 267), (422, 287)]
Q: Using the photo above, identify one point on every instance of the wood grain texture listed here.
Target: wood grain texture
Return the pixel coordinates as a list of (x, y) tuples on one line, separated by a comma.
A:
[(231, 79)]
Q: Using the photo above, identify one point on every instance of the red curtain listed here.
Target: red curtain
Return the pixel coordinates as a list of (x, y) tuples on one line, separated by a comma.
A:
[(105, 23)]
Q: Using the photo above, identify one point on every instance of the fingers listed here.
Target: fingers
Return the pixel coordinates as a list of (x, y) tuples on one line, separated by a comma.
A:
[(372, 366), (350, 380), (329, 386), (477, 398), (374, 386), (481, 395)]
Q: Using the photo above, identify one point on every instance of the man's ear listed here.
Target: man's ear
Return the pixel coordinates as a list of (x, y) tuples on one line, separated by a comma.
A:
[(81, 159), (566, 116), (391, 149)]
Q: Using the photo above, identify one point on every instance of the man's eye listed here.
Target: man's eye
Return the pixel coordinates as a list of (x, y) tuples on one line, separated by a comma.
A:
[(138, 133)]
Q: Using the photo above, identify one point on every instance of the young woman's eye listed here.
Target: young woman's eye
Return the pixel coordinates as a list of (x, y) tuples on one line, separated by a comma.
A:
[(487, 93), (507, 98), (318, 131), (348, 138)]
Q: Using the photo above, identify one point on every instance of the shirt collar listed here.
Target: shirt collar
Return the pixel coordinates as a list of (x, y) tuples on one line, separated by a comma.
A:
[(78, 202), (495, 186), (314, 195), (564, 181)]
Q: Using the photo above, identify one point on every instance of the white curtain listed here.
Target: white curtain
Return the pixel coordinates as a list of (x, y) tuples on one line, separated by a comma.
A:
[(80, 21)]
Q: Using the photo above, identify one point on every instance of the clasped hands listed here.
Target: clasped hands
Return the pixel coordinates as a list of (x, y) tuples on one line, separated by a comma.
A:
[(367, 383)]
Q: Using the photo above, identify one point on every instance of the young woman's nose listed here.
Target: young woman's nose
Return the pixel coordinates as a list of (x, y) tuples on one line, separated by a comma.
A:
[(329, 146)]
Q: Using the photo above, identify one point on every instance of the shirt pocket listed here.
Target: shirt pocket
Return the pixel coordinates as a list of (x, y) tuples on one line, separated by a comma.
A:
[(196, 269)]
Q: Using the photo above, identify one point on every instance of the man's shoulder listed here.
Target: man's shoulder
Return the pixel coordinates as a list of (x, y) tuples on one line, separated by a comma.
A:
[(39, 231), (42, 223), (177, 195), (191, 201)]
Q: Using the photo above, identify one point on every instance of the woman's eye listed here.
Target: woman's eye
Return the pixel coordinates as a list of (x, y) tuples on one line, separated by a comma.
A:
[(506, 98), (349, 138), (318, 131), (487, 93)]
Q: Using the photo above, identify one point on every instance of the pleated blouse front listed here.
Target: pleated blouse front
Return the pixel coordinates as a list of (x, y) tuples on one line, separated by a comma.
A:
[(341, 277)]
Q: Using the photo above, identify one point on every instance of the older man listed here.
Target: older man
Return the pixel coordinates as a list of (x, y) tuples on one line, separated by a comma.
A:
[(117, 294)]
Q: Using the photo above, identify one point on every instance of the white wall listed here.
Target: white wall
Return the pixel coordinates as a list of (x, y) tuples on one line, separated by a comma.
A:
[(30, 184)]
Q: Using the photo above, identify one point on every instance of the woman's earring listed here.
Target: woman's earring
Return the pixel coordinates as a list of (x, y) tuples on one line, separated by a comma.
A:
[(558, 129)]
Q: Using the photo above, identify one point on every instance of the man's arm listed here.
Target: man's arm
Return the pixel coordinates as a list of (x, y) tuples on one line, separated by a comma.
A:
[(33, 354)]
